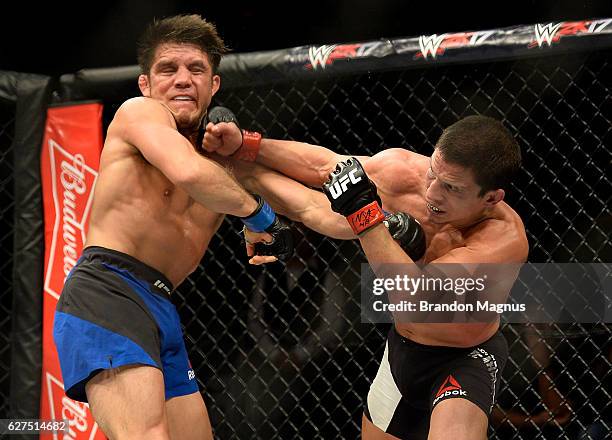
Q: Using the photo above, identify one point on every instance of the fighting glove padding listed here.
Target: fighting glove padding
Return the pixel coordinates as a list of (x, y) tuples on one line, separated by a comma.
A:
[(408, 233), (282, 245), (352, 194)]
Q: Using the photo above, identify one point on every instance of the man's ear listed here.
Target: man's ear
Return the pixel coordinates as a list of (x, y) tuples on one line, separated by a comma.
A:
[(216, 83), (494, 197), (144, 86)]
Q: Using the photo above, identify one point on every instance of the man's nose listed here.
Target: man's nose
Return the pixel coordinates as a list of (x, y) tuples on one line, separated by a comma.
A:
[(182, 78), (434, 190)]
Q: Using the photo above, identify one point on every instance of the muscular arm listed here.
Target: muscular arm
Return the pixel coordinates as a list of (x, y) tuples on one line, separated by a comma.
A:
[(488, 244), (150, 128), (292, 199), (381, 249), (311, 207), (306, 163)]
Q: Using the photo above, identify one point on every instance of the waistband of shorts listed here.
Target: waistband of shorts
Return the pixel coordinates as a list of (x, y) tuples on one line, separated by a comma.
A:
[(446, 348), (155, 278)]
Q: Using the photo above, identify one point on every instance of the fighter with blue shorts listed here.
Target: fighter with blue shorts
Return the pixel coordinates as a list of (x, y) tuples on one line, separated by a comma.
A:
[(158, 202)]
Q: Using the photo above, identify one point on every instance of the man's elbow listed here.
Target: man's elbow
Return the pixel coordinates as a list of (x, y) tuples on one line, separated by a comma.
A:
[(298, 216), (186, 175)]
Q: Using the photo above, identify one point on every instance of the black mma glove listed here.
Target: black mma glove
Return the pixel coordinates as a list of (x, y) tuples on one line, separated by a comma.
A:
[(408, 233), (353, 195), (282, 245), (222, 114), (264, 219)]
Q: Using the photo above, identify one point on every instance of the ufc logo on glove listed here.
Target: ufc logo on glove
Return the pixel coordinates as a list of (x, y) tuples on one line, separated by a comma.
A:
[(341, 185), (357, 201)]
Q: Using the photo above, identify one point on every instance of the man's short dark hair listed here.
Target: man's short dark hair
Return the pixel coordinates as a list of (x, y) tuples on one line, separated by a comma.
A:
[(181, 29), (484, 146)]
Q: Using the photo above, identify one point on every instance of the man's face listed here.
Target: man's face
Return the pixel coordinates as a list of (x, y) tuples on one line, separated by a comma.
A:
[(452, 195), (181, 78)]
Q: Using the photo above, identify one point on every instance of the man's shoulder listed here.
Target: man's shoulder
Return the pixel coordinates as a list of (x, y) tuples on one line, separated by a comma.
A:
[(138, 102), (501, 237), (131, 118), (142, 107), (402, 155), (397, 169)]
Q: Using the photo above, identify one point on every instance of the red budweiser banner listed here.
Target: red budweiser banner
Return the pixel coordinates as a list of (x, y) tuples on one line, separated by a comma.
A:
[(70, 160)]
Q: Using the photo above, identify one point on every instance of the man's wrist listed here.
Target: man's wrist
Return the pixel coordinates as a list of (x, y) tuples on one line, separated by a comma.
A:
[(261, 218), (366, 217), (373, 231), (248, 151), (252, 205)]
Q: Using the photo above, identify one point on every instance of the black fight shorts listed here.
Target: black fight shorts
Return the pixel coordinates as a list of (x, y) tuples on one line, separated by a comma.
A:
[(413, 378)]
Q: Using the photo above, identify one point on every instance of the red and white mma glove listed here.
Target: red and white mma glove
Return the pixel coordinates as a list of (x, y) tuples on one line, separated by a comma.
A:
[(251, 140), (352, 194), (248, 151)]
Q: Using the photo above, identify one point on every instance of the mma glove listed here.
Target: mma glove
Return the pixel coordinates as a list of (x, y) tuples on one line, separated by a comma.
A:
[(408, 233), (264, 219), (251, 140), (352, 194)]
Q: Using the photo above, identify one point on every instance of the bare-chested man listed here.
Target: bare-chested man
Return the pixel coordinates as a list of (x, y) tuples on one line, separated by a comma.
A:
[(158, 201), (436, 380)]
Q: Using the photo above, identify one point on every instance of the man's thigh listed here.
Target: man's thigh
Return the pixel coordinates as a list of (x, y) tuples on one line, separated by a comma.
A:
[(188, 418), (129, 402), (371, 432), (458, 419)]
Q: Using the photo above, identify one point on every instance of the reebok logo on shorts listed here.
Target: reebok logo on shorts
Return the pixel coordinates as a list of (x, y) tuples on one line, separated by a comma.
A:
[(450, 388), (190, 372)]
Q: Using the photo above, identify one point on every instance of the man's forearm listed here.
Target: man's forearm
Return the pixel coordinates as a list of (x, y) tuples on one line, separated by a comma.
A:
[(290, 198), (306, 163), (381, 249), (212, 186)]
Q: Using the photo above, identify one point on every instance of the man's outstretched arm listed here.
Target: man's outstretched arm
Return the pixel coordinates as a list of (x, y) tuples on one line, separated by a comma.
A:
[(291, 198), (313, 209), (306, 163)]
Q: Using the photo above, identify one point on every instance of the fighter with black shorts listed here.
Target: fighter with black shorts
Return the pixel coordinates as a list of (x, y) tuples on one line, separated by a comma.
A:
[(436, 379)]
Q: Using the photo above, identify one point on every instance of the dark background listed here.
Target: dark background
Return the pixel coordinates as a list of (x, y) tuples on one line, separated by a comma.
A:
[(59, 37)]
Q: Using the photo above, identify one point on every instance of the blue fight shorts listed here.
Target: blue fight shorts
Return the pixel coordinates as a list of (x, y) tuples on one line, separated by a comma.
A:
[(116, 311)]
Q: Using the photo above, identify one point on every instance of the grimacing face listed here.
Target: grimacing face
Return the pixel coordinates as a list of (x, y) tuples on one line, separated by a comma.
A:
[(182, 79), (452, 194)]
